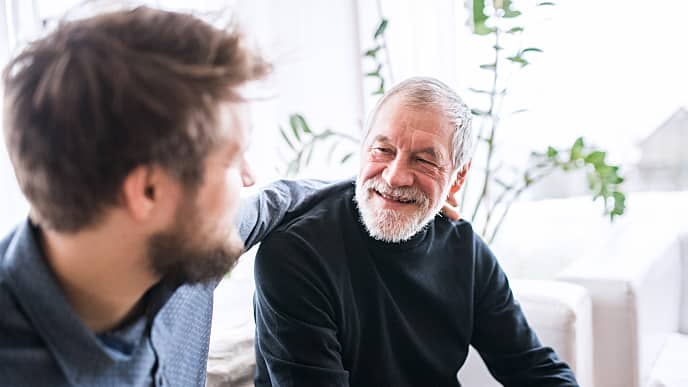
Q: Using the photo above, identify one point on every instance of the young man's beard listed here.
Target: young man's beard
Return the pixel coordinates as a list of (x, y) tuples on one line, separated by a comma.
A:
[(184, 255)]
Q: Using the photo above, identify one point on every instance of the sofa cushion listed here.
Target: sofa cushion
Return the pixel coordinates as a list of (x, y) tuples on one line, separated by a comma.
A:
[(670, 369)]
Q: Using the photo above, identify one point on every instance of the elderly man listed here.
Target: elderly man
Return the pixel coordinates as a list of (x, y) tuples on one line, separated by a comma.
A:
[(371, 288), (127, 134)]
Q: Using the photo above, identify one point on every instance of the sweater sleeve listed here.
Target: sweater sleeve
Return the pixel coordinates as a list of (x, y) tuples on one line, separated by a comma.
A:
[(278, 202), (296, 330), (502, 336)]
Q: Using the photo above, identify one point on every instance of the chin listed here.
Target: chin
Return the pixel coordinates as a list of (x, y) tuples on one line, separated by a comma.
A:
[(183, 261)]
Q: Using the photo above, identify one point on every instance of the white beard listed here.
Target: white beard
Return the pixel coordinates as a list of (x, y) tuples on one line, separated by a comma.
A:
[(389, 225)]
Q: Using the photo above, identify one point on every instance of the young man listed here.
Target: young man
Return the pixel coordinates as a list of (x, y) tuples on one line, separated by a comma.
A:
[(370, 288), (127, 134)]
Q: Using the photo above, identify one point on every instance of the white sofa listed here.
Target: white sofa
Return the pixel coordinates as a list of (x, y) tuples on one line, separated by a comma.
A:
[(640, 312), (635, 271), (561, 314)]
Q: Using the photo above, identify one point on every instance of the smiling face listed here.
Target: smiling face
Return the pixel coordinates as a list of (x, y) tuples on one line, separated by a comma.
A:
[(406, 170)]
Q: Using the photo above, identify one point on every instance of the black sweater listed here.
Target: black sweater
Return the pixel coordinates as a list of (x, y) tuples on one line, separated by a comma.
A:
[(335, 307)]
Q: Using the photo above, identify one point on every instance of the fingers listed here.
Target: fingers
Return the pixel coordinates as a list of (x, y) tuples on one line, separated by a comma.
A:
[(451, 211)]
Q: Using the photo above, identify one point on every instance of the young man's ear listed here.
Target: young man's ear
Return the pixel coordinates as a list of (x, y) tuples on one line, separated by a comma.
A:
[(138, 194)]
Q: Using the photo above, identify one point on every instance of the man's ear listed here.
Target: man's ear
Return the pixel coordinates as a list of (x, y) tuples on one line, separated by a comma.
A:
[(459, 179), (451, 206), (138, 194)]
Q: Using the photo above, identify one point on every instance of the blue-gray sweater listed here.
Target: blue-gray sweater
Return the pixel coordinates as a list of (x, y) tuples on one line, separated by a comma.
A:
[(43, 342)]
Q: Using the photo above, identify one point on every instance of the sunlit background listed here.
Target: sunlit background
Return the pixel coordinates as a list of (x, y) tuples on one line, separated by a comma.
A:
[(612, 72)]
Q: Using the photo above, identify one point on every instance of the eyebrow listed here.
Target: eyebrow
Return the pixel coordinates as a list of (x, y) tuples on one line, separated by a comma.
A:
[(380, 138), (430, 151)]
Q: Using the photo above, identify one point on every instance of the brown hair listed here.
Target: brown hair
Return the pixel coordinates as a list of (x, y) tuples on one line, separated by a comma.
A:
[(100, 96)]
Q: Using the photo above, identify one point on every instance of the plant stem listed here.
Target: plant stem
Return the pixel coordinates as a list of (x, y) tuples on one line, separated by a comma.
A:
[(518, 193), (385, 45), (494, 121)]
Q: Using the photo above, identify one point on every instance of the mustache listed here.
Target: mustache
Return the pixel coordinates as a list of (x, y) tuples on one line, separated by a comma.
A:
[(412, 193)]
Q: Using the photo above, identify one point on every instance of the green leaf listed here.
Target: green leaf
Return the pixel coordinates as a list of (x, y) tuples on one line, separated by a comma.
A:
[(479, 18), (518, 59), (345, 158), (527, 180), (596, 158), (514, 30), (551, 152), (478, 112), (375, 73), (304, 125), (286, 138), (295, 128), (619, 204), (530, 49), (577, 149), (373, 51), (381, 28), (489, 66), (509, 13), (544, 3), (300, 122), (381, 88), (482, 29)]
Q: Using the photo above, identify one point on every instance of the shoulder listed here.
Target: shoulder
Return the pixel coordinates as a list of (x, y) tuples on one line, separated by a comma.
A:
[(7, 304), (328, 212), (309, 247), (321, 204), (15, 329), (461, 233), (23, 351), (4, 245)]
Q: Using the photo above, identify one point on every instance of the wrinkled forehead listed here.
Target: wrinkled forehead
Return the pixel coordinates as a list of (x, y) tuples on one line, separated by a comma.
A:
[(394, 105), (423, 126)]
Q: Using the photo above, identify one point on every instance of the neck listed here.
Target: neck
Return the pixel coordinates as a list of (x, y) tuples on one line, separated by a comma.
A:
[(103, 273)]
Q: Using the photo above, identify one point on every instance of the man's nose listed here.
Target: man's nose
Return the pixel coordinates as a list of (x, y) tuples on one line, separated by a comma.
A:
[(398, 174)]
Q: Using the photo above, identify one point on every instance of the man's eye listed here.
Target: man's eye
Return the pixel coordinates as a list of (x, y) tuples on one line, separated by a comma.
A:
[(424, 161), (382, 150)]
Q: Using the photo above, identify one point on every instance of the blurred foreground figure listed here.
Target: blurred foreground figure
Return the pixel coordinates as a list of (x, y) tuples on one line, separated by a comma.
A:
[(127, 133)]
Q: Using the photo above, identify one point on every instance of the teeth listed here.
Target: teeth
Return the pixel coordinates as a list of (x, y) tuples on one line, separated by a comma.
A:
[(398, 199)]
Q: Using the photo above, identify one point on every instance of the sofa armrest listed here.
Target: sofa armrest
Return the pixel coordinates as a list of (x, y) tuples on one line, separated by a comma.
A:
[(561, 315), (636, 296)]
